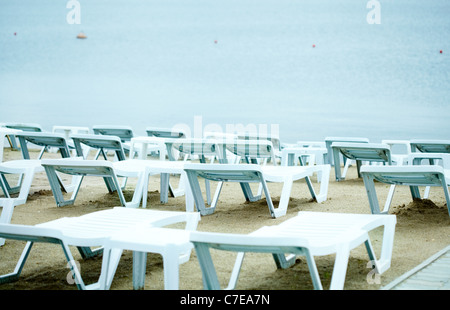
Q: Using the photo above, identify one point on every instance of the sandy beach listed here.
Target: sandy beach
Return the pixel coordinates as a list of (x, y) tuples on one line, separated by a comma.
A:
[(423, 228)]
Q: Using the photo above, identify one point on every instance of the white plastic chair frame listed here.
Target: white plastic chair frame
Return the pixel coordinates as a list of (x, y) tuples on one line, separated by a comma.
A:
[(30, 127), (84, 168), (202, 148), (330, 140), (125, 133), (309, 234), (172, 244), (33, 234), (430, 146), (251, 151), (252, 173), (44, 139), (86, 231), (410, 175), (164, 132), (7, 205), (102, 143), (373, 152), (273, 139)]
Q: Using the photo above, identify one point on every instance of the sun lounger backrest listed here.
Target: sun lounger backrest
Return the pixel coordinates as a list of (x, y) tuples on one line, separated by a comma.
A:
[(101, 142), (276, 144), (25, 127), (410, 175), (45, 140), (406, 175), (431, 146), (202, 147), (164, 133), (364, 151), (125, 133), (228, 173), (251, 149), (330, 140), (81, 167)]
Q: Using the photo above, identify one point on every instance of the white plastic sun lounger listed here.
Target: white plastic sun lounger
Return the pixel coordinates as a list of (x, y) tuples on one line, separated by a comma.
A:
[(250, 151), (27, 165), (164, 132), (7, 133), (205, 149), (373, 152), (102, 143), (430, 146), (46, 140), (82, 168), (90, 230), (7, 206), (309, 234), (29, 127), (410, 175), (172, 244), (273, 139), (125, 133), (330, 140), (156, 167), (251, 173)]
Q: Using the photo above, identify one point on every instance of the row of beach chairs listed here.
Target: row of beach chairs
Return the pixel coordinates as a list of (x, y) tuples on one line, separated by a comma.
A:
[(241, 160)]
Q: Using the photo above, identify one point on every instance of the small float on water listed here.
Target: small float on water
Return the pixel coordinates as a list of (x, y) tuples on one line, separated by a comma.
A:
[(81, 35)]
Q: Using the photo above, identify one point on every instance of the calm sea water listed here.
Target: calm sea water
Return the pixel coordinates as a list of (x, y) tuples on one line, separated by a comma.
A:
[(164, 62)]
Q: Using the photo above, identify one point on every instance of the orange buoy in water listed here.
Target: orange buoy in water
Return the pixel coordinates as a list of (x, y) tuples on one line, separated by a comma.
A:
[(81, 35), (313, 45), (440, 51)]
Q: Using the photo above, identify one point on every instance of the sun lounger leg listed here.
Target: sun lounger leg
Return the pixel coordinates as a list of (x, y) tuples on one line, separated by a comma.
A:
[(14, 276), (248, 193), (313, 271), (7, 189), (447, 196), (284, 262), (210, 281), (324, 182), (139, 263), (358, 168), (236, 271), (7, 211), (208, 192), (165, 187), (188, 198), (197, 195), (4, 185), (337, 165), (347, 165), (72, 264), (56, 187), (415, 193), (86, 252), (216, 194), (372, 195), (427, 192), (340, 268), (284, 199), (111, 258), (382, 264), (171, 269)]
